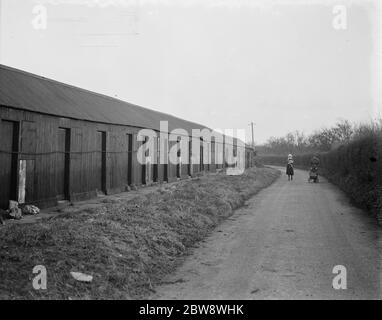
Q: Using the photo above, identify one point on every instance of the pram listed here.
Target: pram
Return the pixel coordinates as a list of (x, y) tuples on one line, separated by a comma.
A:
[(313, 174)]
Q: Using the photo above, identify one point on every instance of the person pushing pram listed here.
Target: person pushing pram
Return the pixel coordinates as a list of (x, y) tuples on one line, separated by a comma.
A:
[(313, 172)]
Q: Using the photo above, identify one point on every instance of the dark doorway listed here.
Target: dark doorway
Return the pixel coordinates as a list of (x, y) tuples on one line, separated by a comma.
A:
[(63, 164), (212, 162), (190, 157), (144, 164), (101, 161), (208, 157), (178, 165), (9, 148), (157, 161), (201, 160), (129, 158), (165, 159)]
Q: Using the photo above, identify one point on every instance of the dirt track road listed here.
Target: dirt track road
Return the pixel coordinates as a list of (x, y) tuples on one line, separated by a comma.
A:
[(284, 245)]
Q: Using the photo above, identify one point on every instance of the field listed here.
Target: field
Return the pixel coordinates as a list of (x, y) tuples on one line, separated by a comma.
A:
[(127, 246)]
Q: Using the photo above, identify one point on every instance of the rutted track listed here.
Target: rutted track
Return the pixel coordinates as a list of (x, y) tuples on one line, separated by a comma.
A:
[(284, 245)]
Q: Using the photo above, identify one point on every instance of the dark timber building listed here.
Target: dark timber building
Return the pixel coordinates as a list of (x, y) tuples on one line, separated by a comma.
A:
[(59, 142)]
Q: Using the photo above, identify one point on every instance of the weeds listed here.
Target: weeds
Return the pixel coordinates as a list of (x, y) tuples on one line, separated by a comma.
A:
[(127, 246)]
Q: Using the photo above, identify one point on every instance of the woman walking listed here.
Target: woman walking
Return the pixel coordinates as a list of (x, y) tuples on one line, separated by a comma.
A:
[(289, 168)]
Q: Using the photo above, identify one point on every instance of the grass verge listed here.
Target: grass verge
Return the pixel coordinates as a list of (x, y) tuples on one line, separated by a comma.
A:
[(127, 246)]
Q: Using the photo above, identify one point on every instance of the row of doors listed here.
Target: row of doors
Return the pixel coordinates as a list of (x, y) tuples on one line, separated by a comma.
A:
[(99, 162), (17, 175)]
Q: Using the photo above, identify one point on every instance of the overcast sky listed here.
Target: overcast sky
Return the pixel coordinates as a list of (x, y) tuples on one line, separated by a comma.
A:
[(281, 64)]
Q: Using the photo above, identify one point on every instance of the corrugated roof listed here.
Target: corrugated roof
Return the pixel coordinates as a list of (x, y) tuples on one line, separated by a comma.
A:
[(23, 90)]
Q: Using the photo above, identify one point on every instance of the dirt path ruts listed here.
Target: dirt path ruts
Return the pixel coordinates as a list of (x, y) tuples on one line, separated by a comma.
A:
[(284, 245)]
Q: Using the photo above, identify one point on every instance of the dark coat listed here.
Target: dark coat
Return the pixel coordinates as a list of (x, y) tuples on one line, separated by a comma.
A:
[(289, 170)]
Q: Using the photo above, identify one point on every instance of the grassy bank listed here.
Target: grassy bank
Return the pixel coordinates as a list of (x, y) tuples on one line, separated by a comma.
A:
[(126, 246)]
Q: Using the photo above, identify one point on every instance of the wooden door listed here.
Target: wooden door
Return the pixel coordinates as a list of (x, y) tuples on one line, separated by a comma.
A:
[(100, 169), (9, 136), (129, 158), (62, 164), (165, 159), (201, 160), (179, 157)]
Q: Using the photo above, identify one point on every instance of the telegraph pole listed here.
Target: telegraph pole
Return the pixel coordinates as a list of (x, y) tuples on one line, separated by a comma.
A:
[(253, 138)]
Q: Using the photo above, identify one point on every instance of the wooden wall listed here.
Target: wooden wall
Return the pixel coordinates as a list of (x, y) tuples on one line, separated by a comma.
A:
[(40, 143), (74, 159)]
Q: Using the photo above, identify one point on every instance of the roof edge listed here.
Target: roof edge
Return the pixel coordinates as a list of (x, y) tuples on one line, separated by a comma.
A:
[(30, 74)]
